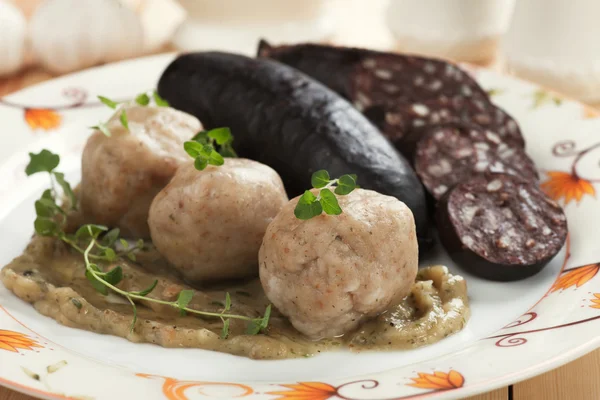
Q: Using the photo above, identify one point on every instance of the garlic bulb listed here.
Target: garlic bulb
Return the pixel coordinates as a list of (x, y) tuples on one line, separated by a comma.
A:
[(72, 34), (12, 38), (160, 19)]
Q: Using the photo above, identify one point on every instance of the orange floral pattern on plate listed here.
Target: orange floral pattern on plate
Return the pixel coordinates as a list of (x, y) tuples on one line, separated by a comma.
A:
[(438, 380), (306, 391), (174, 389), (576, 277), (42, 118), (13, 341), (596, 301), (563, 185)]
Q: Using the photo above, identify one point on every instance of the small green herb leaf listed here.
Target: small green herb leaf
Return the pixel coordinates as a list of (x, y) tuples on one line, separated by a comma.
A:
[(159, 100), (111, 237), (90, 230), (308, 206), (97, 284), (329, 202), (142, 99), (124, 243), (227, 151), (139, 244), (66, 187), (201, 137), (108, 102), (114, 276), (266, 317), (102, 128), (148, 290), (346, 184), (184, 298), (76, 303), (200, 163), (194, 149), (45, 226), (320, 179), (227, 302), (124, 120), (253, 328), (109, 254), (215, 158), (47, 195), (132, 257), (221, 135), (225, 330), (44, 161)]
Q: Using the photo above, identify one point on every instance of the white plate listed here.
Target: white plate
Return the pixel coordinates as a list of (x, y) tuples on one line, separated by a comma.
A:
[(517, 330)]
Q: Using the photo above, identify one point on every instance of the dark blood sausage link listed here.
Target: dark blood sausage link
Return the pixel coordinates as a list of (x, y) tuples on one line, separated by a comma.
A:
[(447, 155), (409, 120), (284, 119), (368, 77), (500, 227)]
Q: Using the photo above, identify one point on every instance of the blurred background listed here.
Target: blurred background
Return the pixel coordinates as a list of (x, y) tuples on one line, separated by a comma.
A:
[(552, 42)]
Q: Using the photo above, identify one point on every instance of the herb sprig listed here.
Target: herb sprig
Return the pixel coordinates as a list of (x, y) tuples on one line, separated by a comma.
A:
[(99, 244), (310, 206), (203, 147), (142, 99)]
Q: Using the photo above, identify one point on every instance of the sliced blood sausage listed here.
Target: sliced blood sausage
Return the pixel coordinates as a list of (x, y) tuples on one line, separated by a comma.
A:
[(403, 122), (500, 227), (449, 154), (368, 77), (283, 118)]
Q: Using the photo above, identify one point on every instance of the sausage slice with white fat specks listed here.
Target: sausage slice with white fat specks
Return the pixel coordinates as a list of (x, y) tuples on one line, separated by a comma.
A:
[(500, 227), (449, 154)]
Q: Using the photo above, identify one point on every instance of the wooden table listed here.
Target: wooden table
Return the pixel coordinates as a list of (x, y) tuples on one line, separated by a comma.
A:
[(578, 380)]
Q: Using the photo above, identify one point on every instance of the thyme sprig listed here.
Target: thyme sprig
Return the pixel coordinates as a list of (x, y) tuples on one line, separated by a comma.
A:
[(99, 244)]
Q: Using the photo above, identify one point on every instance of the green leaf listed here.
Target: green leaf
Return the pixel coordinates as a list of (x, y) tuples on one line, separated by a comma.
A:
[(42, 209), (329, 202), (253, 328), (308, 206), (184, 298), (320, 179), (148, 290), (124, 120), (142, 99), (227, 151), (45, 226), (76, 303), (111, 237), (90, 230), (102, 128), (47, 195), (227, 302), (139, 244), (206, 151), (108, 102), (265, 320), (346, 184), (215, 158), (225, 330), (194, 149), (221, 135), (201, 137), (200, 163), (109, 254), (132, 257), (114, 276), (44, 161), (159, 100), (66, 187), (96, 284), (124, 243)]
